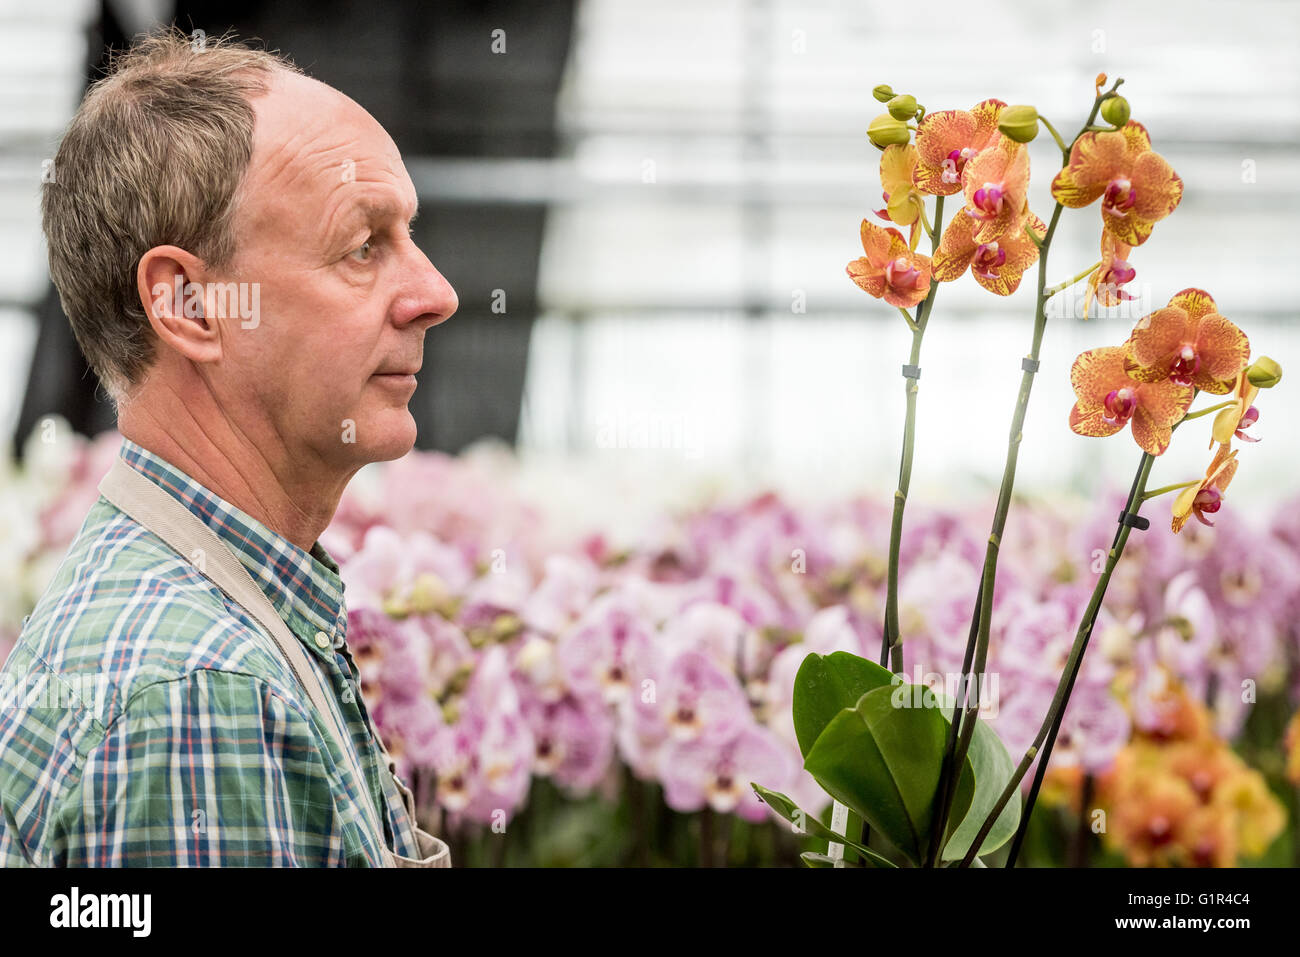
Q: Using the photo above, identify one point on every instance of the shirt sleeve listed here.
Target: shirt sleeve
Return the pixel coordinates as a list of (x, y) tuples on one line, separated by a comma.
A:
[(211, 769)]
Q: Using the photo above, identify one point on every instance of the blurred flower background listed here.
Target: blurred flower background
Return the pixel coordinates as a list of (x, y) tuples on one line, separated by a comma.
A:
[(579, 638), (564, 694)]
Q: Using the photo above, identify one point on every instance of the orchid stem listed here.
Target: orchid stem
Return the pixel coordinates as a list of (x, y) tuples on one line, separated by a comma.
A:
[(1052, 720), (910, 324), (964, 717), (1070, 282), (1165, 489), (962, 725), (1063, 689), (926, 222), (1206, 411), (891, 653), (1065, 150)]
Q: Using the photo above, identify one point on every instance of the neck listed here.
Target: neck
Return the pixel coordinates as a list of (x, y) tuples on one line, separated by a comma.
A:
[(290, 490)]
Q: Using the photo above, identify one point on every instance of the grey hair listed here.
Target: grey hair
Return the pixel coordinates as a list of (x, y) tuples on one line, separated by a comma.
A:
[(154, 155)]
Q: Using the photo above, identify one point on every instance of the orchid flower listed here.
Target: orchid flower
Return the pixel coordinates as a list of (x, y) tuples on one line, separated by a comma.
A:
[(1189, 343), (1109, 399), (947, 140), (1137, 187), (1206, 497), (1106, 280), (1238, 416), (703, 774), (903, 201), (996, 182), (890, 270), (996, 265)]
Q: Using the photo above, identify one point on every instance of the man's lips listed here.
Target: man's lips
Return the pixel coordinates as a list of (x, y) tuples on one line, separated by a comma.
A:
[(399, 379)]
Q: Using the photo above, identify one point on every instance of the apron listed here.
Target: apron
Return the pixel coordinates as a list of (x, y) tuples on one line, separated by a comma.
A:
[(185, 532)]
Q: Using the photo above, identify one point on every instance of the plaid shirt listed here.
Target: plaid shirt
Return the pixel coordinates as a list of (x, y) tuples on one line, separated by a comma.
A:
[(147, 720)]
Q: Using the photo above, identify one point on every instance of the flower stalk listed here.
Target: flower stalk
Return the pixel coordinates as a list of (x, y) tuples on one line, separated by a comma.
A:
[(1164, 489), (1084, 274), (1052, 720), (891, 653), (1057, 136), (965, 711)]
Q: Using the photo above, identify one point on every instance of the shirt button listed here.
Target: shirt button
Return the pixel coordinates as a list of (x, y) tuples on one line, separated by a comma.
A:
[(322, 640)]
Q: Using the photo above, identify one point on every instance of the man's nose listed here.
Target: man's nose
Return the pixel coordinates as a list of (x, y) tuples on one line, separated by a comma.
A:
[(426, 296)]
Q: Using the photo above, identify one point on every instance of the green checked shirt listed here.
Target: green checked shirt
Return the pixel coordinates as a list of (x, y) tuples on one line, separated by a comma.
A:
[(147, 720)]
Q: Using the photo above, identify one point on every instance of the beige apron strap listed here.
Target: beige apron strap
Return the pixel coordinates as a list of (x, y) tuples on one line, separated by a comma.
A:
[(433, 852), (185, 532)]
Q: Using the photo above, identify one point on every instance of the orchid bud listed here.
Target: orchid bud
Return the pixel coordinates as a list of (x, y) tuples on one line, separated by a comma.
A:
[(1264, 373), (902, 107), (1018, 123), (1115, 110), (887, 131), (884, 93)]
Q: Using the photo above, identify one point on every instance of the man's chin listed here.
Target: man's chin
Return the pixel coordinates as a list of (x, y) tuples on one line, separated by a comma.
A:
[(385, 436)]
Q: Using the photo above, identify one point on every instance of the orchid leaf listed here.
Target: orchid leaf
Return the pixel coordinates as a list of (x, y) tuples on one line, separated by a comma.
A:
[(813, 859), (825, 686), (993, 768), (808, 824), (882, 760)]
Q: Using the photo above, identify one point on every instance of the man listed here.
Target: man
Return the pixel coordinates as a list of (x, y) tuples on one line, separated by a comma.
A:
[(231, 242)]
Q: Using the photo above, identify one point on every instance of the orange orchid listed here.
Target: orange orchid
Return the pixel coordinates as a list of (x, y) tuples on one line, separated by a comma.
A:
[(1109, 399), (1137, 187), (1240, 415), (890, 270), (903, 201), (1291, 744), (1189, 343), (997, 265), (947, 139), (1152, 825), (1106, 280), (1206, 497), (996, 182)]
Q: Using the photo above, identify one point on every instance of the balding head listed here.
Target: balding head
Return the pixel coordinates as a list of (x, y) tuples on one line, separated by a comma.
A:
[(232, 242), (153, 155)]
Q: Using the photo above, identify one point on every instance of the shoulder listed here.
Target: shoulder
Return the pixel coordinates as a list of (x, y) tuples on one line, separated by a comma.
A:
[(124, 612)]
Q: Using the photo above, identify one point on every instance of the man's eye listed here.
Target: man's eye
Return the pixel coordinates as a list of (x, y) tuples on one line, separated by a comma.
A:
[(362, 252)]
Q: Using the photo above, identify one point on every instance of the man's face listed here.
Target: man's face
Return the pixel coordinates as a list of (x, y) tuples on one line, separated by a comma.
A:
[(322, 223)]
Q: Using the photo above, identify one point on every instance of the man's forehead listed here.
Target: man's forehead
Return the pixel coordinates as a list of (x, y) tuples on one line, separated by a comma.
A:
[(302, 117), (309, 137)]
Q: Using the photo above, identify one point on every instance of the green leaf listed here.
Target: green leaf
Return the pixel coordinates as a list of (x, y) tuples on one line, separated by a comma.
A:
[(808, 824), (825, 686), (882, 759), (813, 859), (993, 768)]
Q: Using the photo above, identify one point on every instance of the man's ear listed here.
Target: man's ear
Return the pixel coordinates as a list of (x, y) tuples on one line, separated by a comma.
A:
[(169, 282)]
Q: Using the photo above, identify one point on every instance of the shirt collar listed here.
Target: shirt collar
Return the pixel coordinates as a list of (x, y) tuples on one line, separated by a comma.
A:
[(304, 587)]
